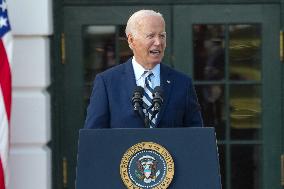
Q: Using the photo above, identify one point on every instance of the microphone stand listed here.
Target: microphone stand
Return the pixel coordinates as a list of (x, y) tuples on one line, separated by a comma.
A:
[(147, 120), (137, 101), (156, 103)]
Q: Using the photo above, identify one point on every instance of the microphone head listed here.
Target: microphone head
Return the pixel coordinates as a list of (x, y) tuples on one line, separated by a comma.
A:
[(137, 97), (158, 90), (157, 99), (139, 89)]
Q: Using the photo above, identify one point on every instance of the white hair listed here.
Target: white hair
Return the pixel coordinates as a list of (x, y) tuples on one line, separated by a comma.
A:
[(133, 21)]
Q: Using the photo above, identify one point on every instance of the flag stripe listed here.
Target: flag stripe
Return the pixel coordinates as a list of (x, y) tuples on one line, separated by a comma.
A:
[(2, 180), (4, 139), (5, 79), (5, 91)]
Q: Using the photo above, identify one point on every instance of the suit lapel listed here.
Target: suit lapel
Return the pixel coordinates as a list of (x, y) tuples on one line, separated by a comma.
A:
[(128, 79), (129, 84), (166, 84)]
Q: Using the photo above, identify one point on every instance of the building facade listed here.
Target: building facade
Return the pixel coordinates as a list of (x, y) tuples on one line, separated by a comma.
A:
[(231, 49)]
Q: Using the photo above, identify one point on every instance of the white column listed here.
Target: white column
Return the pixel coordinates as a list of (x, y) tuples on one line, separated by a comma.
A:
[(30, 158)]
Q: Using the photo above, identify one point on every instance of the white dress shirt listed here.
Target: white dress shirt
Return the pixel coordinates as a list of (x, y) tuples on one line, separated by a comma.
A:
[(140, 76)]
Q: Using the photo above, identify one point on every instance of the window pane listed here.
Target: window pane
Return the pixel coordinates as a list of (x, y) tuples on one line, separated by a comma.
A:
[(245, 52), (99, 53), (124, 51), (245, 115), (211, 99), (209, 53), (245, 170)]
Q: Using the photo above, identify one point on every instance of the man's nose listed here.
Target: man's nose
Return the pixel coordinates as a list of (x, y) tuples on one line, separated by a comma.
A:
[(157, 41)]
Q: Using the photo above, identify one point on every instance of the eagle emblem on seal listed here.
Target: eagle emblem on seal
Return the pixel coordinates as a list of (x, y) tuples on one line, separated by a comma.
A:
[(147, 169)]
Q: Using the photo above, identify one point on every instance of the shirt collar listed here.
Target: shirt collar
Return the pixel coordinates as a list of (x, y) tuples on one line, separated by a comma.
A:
[(139, 70)]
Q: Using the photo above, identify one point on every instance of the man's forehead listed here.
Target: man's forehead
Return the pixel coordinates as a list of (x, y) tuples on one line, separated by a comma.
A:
[(150, 19), (153, 32)]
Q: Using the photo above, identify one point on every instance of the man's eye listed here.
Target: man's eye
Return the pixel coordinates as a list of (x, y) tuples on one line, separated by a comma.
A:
[(163, 36), (150, 36)]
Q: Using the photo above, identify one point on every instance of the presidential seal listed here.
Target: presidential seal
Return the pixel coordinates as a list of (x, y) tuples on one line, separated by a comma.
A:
[(147, 165)]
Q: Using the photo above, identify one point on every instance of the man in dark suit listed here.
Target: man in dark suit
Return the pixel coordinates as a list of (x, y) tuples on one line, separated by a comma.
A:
[(111, 100)]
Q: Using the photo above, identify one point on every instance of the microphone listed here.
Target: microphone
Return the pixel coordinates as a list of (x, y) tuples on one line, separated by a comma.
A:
[(157, 100), (137, 98)]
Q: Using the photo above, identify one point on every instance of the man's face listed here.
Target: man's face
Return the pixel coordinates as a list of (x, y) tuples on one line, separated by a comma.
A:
[(149, 42)]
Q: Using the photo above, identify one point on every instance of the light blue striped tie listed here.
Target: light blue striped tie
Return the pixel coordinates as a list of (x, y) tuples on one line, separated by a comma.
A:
[(148, 98)]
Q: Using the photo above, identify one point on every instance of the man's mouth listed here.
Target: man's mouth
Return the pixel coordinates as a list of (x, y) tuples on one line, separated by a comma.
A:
[(155, 52)]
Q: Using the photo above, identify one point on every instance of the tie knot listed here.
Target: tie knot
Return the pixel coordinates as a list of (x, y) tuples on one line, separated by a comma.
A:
[(148, 74)]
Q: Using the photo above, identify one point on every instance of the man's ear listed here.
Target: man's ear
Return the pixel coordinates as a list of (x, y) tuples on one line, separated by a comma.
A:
[(130, 40)]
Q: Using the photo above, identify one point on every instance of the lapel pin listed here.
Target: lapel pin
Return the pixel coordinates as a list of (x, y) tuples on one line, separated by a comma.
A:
[(168, 81)]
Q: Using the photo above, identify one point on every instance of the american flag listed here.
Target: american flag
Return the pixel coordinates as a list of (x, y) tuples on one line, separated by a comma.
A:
[(5, 91)]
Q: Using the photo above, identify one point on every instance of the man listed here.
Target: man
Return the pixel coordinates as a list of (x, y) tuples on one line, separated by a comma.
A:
[(111, 103)]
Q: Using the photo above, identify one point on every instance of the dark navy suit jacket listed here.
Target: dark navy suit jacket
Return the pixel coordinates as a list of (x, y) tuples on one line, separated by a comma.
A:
[(111, 107)]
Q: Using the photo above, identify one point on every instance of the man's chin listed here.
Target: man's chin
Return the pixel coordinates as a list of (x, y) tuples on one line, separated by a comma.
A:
[(156, 61)]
